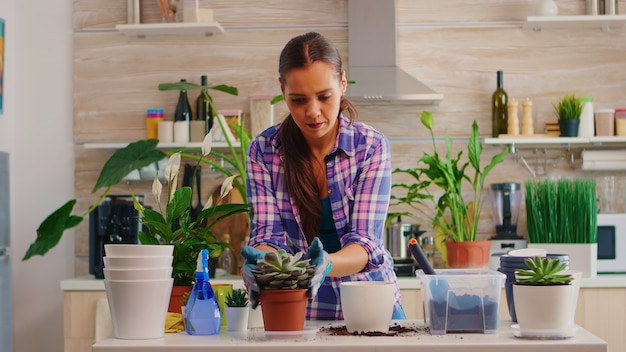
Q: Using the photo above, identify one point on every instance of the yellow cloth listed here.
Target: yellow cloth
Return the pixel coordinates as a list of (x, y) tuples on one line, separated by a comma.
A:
[(174, 322)]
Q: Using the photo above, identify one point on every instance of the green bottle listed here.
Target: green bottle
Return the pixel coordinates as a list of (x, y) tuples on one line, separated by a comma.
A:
[(499, 110)]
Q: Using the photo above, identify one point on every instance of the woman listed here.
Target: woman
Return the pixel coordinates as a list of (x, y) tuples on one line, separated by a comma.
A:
[(321, 174)]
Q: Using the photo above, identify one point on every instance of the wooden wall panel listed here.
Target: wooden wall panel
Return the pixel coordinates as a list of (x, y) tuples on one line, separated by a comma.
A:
[(454, 46)]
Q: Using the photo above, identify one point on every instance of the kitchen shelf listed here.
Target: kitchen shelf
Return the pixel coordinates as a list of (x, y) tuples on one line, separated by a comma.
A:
[(161, 29), (602, 22), (194, 145), (564, 141)]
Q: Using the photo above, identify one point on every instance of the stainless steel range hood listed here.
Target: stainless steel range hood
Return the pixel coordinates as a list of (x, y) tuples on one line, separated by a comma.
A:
[(372, 50)]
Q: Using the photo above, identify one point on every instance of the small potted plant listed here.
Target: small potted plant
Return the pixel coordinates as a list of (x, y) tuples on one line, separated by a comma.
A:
[(237, 310), (284, 281), (545, 298), (454, 217), (568, 110)]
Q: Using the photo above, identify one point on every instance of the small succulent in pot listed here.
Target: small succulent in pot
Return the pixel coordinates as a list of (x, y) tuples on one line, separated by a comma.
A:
[(237, 298), (283, 271), (543, 271)]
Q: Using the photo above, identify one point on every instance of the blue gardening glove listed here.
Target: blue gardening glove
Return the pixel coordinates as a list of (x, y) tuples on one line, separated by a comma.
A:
[(251, 255), (321, 260)]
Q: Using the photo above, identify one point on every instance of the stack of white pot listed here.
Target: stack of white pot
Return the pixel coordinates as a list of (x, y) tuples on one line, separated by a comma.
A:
[(138, 282)]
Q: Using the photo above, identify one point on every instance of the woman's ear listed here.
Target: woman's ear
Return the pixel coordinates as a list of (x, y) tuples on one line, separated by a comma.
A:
[(344, 81)]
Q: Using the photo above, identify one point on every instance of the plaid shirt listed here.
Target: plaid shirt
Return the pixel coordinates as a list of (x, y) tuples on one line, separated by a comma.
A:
[(359, 184)]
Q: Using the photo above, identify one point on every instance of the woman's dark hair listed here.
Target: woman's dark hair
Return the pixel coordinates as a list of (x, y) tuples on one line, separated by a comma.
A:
[(299, 52)]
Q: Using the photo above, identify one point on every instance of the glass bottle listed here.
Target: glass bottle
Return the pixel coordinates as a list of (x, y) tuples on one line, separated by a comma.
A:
[(203, 109), (499, 113), (183, 109)]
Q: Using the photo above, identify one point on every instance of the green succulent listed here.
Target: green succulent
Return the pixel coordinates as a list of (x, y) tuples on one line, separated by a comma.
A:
[(283, 271), (542, 272), (237, 298)]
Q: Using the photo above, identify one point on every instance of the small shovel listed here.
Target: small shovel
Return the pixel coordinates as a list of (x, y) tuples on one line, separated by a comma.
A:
[(439, 289)]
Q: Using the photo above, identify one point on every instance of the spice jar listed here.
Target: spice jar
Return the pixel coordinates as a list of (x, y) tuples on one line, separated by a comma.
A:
[(153, 117), (620, 122)]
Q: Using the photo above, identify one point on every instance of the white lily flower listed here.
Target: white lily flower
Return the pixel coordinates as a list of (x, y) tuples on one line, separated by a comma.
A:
[(172, 167), (207, 143), (227, 185), (209, 203), (157, 188)]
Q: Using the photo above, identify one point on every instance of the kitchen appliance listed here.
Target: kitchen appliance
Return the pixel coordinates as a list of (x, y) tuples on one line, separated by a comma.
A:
[(505, 199), (115, 220), (611, 243), (396, 238)]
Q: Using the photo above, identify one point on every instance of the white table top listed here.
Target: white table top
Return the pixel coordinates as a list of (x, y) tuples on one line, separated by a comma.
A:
[(504, 340)]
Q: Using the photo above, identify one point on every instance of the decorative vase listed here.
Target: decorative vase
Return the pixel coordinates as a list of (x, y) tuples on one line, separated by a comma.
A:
[(469, 254), (546, 8), (237, 318), (283, 310), (176, 298), (569, 127)]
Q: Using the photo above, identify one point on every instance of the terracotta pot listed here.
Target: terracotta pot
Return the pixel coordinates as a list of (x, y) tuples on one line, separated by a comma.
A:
[(176, 298), (283, 310), (471, 254)]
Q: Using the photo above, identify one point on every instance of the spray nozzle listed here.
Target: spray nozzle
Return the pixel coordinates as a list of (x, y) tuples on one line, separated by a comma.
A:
[(202, 265)]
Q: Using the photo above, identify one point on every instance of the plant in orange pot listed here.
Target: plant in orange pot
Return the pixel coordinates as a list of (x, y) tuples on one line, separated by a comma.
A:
[(284, 280), (454, 218)]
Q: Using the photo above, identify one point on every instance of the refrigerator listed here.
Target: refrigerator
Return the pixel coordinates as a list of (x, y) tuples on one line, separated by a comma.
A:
[(5, 269)]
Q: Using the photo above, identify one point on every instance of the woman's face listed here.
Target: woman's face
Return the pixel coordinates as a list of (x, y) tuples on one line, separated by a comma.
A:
[(313, 97)]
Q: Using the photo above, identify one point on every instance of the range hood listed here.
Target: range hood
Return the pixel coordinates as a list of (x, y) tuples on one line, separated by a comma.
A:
[(372, 50)]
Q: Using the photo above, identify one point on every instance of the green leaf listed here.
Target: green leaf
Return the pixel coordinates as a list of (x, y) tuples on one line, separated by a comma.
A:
[(192, 86), (277, 99), (474, 148), (51, 229), (179, 204), (134, 156)]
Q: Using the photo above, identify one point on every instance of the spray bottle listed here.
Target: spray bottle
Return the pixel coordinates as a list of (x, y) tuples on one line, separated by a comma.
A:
[(202, 313)]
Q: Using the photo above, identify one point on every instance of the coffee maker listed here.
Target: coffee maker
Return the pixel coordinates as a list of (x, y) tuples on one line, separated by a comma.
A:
[(505, 199), (115, 220)]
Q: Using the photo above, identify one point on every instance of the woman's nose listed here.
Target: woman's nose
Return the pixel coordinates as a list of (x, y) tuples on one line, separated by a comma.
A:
[(313, 109)]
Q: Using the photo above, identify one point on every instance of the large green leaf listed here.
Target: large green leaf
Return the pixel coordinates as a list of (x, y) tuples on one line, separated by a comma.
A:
[(51, 229), (134, 156)]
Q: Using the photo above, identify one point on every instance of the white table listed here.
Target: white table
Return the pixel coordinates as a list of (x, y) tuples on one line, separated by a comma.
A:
[(504, 340)]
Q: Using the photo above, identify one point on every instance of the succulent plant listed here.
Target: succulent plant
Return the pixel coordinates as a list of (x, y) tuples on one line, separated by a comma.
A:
[(543, 272), (237, 298), (284, 271)]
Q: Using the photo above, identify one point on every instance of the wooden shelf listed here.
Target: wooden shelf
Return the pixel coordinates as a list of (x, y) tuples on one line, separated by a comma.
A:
[(556, 140), (195, 145), (161, 29), (602, 22)]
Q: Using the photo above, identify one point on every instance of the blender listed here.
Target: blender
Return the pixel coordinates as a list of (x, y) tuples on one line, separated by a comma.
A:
[(505, 199)]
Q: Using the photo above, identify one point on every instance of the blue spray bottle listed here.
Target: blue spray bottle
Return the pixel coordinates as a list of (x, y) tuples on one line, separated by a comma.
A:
[(202, 313)]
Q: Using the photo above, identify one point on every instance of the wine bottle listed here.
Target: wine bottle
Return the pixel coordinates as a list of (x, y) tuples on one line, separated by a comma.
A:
[(203, 109), (499, 112), (183, 109), (182, 118)]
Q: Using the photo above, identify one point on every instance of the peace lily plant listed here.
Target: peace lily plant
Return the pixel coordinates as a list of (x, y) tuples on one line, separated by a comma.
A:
[(191, 236), (453, 216)]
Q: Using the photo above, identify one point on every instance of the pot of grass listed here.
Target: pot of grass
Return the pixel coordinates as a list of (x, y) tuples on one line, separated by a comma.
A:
[(561, 217), (568, 110)]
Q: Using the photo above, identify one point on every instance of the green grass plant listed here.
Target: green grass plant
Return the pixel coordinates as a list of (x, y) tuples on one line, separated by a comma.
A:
[(561, 211), (569, 107)]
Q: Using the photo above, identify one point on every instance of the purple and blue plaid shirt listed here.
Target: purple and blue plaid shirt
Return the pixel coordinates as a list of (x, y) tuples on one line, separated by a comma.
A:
[(359, 184)]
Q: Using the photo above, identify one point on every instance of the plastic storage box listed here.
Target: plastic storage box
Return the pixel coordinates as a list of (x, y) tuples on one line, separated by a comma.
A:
[(461, 300)]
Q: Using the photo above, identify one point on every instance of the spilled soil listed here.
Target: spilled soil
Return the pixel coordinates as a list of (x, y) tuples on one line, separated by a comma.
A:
[(394, 330)]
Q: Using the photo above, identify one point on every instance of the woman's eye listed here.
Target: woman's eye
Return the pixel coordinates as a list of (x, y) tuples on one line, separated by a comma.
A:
[(325, 97), (298, 100)]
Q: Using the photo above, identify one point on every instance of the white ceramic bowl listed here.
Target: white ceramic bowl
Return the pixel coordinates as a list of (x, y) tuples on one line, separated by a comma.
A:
[(137, 262), (138, 308), (367, 305), (138, 274), (137, 250)]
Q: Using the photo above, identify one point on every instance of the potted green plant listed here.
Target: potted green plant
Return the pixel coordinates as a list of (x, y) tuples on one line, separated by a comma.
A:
[(568, 110), (555, 225), (454, 217), (191, 235), (283, 281), (237, 310), (545, 298)]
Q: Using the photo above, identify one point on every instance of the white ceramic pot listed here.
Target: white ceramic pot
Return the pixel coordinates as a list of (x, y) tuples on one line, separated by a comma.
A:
[(237, 318), (367, 305), (549, 308)]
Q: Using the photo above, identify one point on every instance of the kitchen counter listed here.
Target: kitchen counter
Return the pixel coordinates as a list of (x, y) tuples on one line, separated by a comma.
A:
[(89, 283), (583, 341)]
